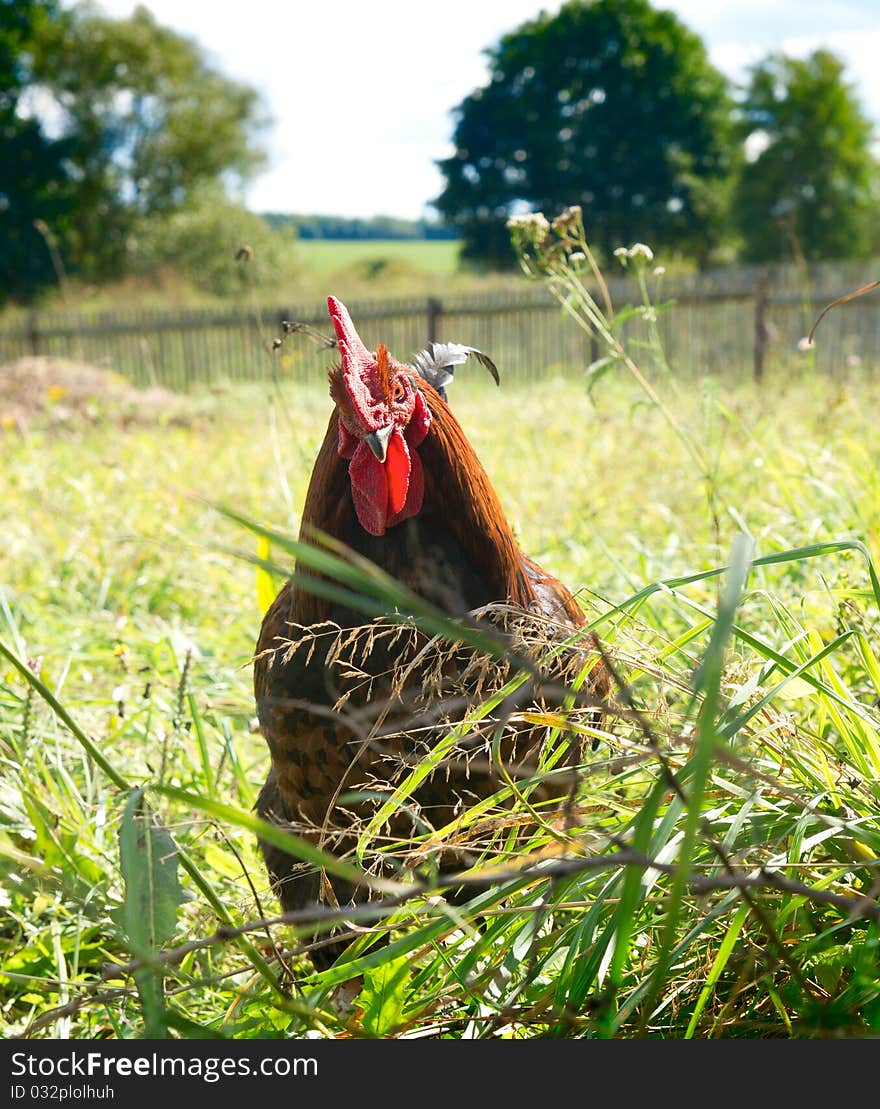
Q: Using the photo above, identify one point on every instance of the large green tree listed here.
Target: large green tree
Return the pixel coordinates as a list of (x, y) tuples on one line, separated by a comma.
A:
[(151, 121), (35, 182), (609, 104), (808, 182)]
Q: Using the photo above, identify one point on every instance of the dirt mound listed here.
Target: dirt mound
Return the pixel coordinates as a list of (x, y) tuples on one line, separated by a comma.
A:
[(45, 391)]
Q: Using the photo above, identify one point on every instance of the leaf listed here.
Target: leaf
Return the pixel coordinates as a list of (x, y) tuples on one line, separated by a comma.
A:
[(829, 966), (277, 836), (221, 861), (61, 712), (795, 689), (383, 995), (597, 370), (707, 680), (634, 889), (724, 953), (148, 861), (265, 585)]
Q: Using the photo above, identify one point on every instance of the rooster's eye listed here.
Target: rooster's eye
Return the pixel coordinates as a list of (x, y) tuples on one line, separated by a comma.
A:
[(398, 392)]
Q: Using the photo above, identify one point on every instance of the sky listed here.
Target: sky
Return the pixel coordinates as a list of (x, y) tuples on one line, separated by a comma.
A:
[(361, 92)]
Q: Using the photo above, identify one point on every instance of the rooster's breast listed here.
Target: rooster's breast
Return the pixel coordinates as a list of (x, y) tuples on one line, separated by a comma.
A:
[(428, 560)]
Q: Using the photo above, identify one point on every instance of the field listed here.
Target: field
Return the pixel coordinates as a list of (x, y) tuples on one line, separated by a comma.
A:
[(713, 870), (323, 256), (124, 592), (302, 271)]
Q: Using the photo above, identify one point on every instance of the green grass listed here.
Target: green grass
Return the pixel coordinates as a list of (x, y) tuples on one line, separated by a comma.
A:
[(757, 691), (364, 268), (324, 256)]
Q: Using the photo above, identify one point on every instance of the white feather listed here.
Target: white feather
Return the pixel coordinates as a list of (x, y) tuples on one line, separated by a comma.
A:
[(436, 363)]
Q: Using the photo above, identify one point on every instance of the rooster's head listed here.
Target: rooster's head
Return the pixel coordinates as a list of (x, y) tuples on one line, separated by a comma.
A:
[(383, 417)]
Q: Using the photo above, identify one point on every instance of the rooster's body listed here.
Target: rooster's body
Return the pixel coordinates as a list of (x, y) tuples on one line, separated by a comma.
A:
[(397, 482)]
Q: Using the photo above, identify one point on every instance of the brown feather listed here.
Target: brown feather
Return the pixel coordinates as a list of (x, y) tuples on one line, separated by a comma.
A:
[(460, 553)]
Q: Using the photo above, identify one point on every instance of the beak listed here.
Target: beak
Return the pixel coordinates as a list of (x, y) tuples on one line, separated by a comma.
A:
[(377, 441)]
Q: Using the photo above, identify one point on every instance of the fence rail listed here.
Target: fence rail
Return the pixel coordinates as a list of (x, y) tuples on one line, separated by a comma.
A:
[(729, 323)]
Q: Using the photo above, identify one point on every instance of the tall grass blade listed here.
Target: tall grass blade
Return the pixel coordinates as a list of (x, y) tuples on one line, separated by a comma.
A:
[(707, 683)]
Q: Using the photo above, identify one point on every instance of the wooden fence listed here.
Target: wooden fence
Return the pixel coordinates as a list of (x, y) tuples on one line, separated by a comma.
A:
[(730, 323)]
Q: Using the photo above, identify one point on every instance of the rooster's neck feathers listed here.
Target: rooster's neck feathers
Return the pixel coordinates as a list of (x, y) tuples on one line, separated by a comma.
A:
[(458, 499), (432, 477)]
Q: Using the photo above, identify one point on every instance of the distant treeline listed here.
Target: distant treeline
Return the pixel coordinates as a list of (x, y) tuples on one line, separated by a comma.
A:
[(344, 227)]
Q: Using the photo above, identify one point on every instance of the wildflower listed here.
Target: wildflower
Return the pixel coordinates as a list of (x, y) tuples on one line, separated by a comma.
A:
[(621, 252), (533, 225), (805, 344), (641, 250), (576, 257), (853, 360), (570, 217), (659, 271)]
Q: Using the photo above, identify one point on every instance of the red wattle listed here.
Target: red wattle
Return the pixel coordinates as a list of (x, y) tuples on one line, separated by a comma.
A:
[(397, 471), (369, 490), (385, 493), (415, 493)]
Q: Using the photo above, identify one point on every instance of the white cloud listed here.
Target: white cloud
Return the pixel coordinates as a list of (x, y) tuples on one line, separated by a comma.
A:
[(859, 49), (361, 93)]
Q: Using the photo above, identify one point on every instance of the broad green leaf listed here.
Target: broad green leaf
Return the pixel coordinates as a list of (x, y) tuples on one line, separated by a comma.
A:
[(383, 996), (148, 861)]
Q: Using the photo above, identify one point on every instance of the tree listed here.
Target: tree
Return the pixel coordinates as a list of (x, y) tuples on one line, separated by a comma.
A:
[(611, 105), (809, 187), (152, 121), (35, 184), (201, 239)]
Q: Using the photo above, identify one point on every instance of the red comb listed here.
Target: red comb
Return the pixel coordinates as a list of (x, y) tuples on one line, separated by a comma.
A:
[(360, 369), (351, 345)]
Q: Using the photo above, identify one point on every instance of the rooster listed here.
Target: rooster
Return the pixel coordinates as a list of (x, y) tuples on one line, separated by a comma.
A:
[(397, 482)]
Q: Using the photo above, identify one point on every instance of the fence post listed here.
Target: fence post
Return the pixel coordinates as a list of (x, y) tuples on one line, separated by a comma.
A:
[(434, 310), (33, 332), (760, 324)]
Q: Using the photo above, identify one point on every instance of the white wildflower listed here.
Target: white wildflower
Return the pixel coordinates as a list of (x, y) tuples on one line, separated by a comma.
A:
[(568, 220), (577, 256), (641, 250), (533, 224), (805, 344), (621, 252), (659, 271)]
